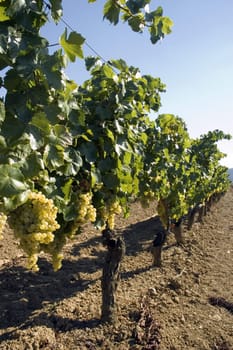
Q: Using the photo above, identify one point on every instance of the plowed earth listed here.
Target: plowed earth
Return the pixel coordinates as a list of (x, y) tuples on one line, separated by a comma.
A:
[(185, 304)]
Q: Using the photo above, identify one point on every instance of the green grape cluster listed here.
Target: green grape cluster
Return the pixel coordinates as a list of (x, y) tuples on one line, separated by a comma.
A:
[(54, 249), (34, 223), (85, 212), (3, 219), (109, 212), (57, 258)]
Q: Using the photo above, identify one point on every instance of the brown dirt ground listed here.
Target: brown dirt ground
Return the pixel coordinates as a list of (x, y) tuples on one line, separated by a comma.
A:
[(61, 310)]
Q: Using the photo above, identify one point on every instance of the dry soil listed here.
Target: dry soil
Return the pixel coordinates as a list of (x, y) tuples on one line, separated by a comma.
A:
[(185, 304)]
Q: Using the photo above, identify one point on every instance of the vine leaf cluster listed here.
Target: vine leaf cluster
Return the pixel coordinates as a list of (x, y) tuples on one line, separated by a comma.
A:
[(91, 148)]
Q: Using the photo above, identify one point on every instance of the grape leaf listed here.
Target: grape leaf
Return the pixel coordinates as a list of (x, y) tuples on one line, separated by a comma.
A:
[(3, 15), (111, 11), (72, 45), (12, 181), (56, 9)]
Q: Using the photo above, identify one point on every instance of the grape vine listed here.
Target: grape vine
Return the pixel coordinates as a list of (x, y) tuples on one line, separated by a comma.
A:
[(82, 153)]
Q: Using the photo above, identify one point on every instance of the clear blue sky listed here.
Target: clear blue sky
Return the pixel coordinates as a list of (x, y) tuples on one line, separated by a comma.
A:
[(195, 61)]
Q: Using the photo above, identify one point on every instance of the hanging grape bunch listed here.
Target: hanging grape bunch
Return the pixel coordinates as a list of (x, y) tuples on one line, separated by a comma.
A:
[(34, 224)]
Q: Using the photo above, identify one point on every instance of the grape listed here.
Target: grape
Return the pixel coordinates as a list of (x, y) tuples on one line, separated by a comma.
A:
[(34, 223), (108, 213), (32, 262), (85, 212), (3, 219), (57, 261)]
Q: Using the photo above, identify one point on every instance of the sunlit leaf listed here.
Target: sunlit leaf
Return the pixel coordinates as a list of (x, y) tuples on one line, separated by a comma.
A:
[(53, 157), (3, 15), (111, 11), (72, 45), (12, 181)]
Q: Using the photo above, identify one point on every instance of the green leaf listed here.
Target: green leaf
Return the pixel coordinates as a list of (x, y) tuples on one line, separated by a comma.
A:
[(160, 27), (73, 162), (32, 165), (89, 150), (17, 103), (119, 64), (36, 139), (60, 136), (106, 164), (3, 15), (53, 157), (2, 142), (108, 72), (41, 122), (2, 111), (70, 212), (56, 9), (50, 69), (127, 158), (111, 11), (52, 113), (110, 135), (167, 25), (136, 22), (16, 6), (67, 188), (12, 81), (12, 181), (104, 113), (15, 201), (73, 45), (90, 62), (111, 181), (135, 5), (12, 128), (95, 176)]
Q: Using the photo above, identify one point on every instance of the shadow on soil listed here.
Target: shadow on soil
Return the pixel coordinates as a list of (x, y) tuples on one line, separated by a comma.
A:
[(23, 292)]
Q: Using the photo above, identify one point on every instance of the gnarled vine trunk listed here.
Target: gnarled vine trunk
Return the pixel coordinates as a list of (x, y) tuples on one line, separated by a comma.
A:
[(201, 213), (110, 277), (157, 246), (191, 218), (178, 231)]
